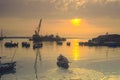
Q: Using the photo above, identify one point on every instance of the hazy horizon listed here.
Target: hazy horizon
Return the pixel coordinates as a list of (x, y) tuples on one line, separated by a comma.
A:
[(21, 17)]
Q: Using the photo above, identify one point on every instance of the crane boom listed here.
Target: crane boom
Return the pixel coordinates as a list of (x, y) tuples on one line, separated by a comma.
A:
[(39, 25)]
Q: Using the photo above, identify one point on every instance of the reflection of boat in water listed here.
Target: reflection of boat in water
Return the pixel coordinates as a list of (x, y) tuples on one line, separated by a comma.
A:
[(38, 55), (36, 37), (62, 62)]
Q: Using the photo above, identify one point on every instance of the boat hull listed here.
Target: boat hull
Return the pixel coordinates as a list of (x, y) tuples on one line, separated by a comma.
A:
[(37, 38), (7, 66), (63, 65)]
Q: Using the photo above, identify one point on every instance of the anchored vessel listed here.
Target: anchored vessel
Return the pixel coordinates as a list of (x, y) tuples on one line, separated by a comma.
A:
[(36, 37), (6, 67), (62, 62)]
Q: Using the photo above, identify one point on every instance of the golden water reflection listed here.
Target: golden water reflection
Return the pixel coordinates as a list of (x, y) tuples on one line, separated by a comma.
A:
[(76, 50)]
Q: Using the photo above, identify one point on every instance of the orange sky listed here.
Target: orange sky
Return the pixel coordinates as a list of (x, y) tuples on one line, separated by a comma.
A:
[(21, 17), (86, 28)]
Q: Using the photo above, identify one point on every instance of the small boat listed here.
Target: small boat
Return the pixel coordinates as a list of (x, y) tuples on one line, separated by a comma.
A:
[(6, 67), (11, 44), (68, 43), (62, 62), (37, 45), (59, 42), (25, 44)]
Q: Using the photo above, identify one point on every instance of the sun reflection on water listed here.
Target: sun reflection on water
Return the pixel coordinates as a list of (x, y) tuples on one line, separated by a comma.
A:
[(76, 50)]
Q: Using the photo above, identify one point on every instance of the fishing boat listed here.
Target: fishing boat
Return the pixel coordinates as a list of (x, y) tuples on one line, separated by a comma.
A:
[(36, 37), (62, 62), (6, 67)]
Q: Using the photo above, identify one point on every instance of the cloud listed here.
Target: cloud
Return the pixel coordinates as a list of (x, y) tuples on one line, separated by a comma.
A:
[(60, 8)]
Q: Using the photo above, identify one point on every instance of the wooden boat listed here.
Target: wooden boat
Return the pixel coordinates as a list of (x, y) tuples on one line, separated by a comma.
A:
[(62, 62)]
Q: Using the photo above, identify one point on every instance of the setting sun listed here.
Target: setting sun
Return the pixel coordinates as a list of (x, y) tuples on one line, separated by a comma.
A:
[(76, 21)]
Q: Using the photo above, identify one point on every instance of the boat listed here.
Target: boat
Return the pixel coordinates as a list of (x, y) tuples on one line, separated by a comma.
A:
[(6, 67), (36, 37), (37, 45), (68, 43), (11, 44), (62, 62), (59, 42), (26, 44)]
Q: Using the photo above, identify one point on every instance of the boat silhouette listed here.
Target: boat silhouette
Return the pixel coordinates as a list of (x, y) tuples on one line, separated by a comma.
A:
[(62, 62), (36, 37)]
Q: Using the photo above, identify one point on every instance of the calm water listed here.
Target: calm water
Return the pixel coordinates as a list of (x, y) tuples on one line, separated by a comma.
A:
[(86, 63)]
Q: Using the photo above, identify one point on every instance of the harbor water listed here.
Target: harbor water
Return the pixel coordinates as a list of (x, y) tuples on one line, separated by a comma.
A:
[(86, 63)]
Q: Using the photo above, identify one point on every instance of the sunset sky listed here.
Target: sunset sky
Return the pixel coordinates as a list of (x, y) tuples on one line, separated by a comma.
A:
[(95, 17)]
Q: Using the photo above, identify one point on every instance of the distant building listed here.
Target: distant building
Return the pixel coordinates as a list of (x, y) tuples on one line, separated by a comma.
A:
[(106, 38)]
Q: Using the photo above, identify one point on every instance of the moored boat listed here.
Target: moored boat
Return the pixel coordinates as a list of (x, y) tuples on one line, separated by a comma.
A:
[(11, 44), (6, 67), (37, 37), (68, 43), (62, 62), (25, 44), (59, 42)]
